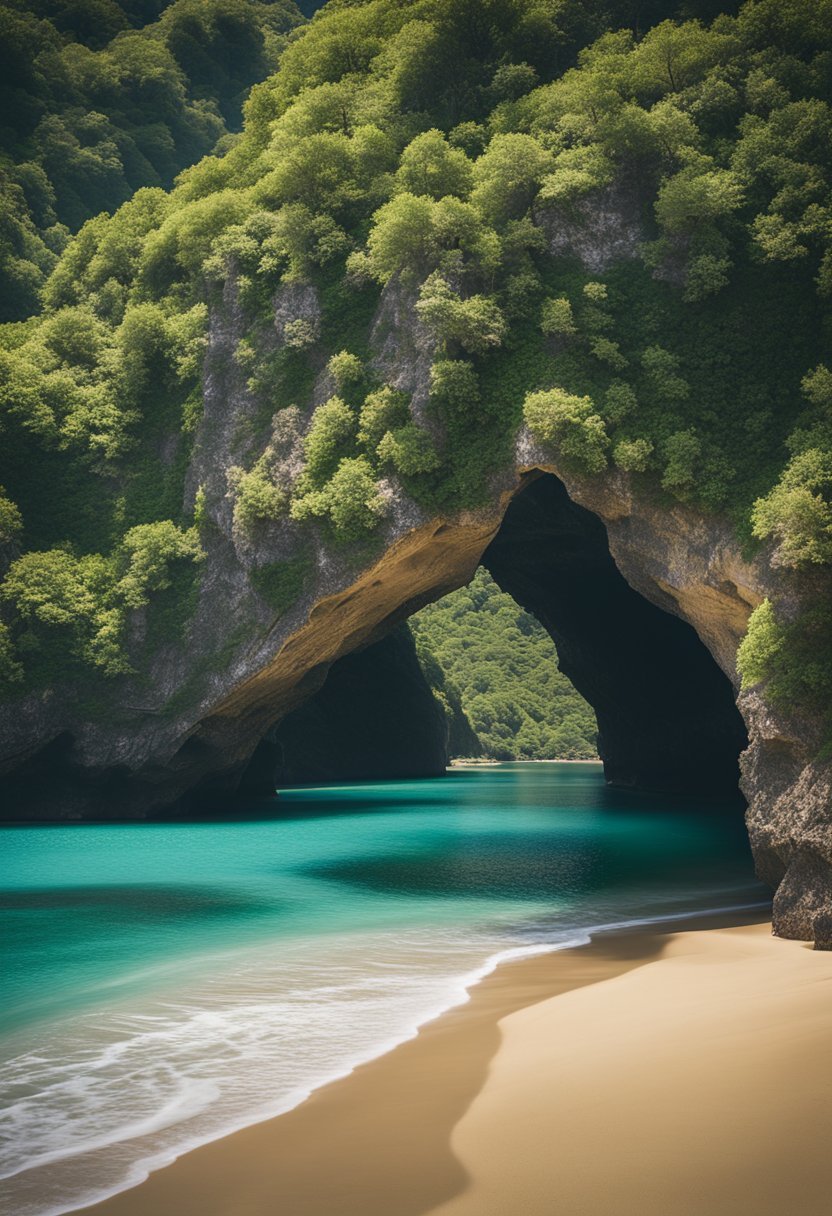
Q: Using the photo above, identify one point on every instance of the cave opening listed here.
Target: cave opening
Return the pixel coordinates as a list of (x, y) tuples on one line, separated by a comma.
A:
[(666, 713)]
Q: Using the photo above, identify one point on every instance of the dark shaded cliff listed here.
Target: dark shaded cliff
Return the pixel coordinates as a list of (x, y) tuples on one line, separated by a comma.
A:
[(375, 717)]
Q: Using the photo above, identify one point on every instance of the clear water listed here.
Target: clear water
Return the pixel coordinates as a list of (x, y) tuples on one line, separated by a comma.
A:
[(164, 984)]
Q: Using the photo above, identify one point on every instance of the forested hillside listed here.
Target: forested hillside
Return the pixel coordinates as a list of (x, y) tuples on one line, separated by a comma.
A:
[(99, 98), (439, 156), (504, 666)]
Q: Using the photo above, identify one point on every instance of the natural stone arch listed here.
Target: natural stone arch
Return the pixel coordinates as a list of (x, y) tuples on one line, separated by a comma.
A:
[(666, 713), (145, 759)]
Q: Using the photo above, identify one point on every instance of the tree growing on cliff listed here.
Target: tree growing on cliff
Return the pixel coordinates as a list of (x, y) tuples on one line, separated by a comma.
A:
[(570, 425)]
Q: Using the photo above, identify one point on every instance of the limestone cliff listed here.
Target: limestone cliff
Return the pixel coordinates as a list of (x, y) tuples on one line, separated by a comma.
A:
[(276, 610)]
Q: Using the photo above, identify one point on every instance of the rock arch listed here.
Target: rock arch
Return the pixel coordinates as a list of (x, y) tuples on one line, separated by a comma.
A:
[(659, 575)]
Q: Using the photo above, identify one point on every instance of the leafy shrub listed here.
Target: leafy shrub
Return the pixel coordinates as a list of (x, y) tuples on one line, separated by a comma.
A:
[(345, 369), (409, 449), (576, 172), (54, 587), (455, 384), (300, 333), (10, 519), (817, 385), (595, 292), (763, 641), (693, 196), (633, 455), (55, 590), (569, 424), (682, 451), (350, 500), (476, 323), (257, 499), (662, 369), (384, 409), (620, 401), (706, 275), (798, 511), (149, 550), (608, 352), (556, 317), (333, 426)]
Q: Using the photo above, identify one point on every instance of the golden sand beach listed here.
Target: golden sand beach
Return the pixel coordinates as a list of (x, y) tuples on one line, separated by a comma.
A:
[(676, 1071)]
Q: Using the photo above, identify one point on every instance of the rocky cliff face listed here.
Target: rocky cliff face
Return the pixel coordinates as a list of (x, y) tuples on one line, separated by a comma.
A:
[(276, 611)]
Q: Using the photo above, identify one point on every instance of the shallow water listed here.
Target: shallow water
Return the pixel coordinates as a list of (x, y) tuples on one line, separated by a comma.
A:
[(164, 984)]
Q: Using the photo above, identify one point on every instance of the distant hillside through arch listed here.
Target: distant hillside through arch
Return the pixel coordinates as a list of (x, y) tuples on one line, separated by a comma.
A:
[(504, 667)]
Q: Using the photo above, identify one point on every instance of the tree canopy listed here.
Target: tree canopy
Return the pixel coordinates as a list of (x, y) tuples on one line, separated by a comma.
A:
[(612, 223), (99, 99)]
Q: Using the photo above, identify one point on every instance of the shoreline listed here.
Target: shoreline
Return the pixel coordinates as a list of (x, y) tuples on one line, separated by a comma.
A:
[(386, 1132), (487, 762)]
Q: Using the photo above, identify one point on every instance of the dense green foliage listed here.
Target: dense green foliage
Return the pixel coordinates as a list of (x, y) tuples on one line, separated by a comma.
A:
[(504, 666), (434, 150), (99, 98)]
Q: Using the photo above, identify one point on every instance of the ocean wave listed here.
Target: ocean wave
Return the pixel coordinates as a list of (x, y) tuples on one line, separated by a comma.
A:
[(120, 1093)]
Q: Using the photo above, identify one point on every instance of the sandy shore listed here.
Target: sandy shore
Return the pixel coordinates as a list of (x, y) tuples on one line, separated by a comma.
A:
[(480, 762), (684, 1073)]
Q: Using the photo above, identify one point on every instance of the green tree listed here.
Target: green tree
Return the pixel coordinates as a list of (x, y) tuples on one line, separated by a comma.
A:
[(633, 455), (430, 165), (409, 449), (11, 522), (556, 317), (147, 553), (350, 500), (475, 323), (571, 425), (333, 426), (682, 451), (345, 369), (383, 410), (508, 175), (761, 645), (798, 511)]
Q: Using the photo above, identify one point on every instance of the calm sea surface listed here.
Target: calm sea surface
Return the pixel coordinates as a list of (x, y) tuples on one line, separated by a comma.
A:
[(165, 984)]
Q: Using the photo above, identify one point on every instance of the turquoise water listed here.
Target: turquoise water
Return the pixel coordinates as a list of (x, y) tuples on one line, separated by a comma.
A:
[(163, 984)]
